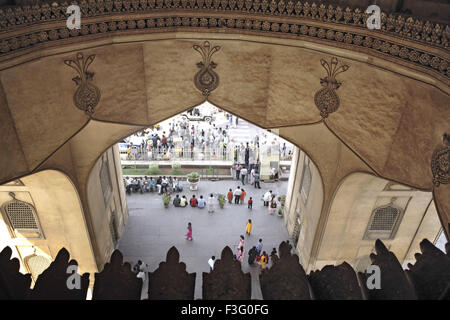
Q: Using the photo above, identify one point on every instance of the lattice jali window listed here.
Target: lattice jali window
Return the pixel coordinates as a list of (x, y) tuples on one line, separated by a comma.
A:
[(22, 219), (383, 222)]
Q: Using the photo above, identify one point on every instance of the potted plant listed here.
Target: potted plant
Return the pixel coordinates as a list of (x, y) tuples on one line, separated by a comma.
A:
[(193, 178), (282, 200), (280, 212), (221, 200), (166, 199)]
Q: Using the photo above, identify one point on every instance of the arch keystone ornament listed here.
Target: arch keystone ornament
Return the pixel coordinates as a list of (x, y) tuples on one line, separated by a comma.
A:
[(87, 95), (326, 99), (206, 80), (440, 162)]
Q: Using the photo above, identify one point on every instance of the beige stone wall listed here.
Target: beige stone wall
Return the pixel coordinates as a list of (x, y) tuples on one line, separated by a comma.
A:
[(109, 214), (62, 218), (350, 214), (307, 209), (60, 215)]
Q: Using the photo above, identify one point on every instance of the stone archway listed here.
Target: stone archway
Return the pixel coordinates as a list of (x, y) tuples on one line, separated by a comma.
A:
[(144, 77)]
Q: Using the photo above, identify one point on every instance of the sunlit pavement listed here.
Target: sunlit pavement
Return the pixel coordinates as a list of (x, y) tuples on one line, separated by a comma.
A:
[(152, 229)]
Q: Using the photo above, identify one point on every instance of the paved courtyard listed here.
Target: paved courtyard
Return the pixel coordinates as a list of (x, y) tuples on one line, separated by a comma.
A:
[(152, 229)]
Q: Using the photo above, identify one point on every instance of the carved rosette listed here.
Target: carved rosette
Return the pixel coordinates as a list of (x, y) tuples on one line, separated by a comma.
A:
[(440, 162), (326, 99), (206, 80), (87, 95)]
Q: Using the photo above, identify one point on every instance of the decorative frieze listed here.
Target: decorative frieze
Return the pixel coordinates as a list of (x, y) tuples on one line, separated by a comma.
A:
[(256, 23)]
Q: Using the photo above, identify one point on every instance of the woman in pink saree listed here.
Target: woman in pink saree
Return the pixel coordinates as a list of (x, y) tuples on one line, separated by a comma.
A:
[(240, 255), (189, 234)]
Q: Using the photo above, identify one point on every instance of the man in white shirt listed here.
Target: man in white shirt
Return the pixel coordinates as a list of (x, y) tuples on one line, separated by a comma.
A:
[(201, 202), (267, 196), (237, 195), (211, 263), (164, 184), (243, 175)]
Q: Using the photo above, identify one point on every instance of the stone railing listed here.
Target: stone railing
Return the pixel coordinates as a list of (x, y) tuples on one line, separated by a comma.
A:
[(428, 278), (412, 40)]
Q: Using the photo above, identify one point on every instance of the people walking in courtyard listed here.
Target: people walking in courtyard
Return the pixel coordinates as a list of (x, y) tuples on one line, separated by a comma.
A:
[(176, 201), (242, 198), (243, 175), (252, 253), (274, 256), (267, 196), (230, 196), (248, 228), (211, 262), (273, 205), (201, 202), (241, 242), (238, 171), (193, 201), (237, 195), (250, 203), (183, 201), (263, 261), (189, 233), (211, 203), (256, 177), (259, 247), (252, 176), (240, 255)]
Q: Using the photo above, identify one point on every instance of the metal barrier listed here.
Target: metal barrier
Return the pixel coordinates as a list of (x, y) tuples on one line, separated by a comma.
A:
[(207, 154)]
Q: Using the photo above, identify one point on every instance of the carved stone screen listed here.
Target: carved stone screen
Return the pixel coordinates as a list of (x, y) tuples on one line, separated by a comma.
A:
[(22, 220), (383, 222)]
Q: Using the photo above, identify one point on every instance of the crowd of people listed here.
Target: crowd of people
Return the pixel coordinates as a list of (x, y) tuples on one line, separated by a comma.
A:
[(181, 137), (255, 254), (161, 185)]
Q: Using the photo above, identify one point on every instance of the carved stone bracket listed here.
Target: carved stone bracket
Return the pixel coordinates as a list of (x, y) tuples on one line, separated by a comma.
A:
[(326, 99), (440, 162), (13, 284), (335, 283), (171, 281), (206, 80), (395, 285), (227, 281), (52, 284), (285, 280), (87, 95), (117, 281), (431, 272)]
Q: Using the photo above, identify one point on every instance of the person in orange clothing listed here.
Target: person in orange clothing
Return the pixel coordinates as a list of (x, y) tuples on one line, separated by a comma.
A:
[(230, 196), (263, 261), (248, 228), (242, 196)]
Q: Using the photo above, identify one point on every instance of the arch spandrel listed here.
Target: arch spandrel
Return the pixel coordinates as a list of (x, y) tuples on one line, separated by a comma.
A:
[(39, 96), (119, 74), (170, 67), (393, 118), (13, 163)]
